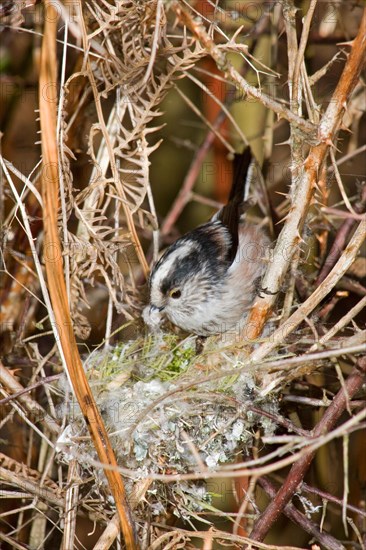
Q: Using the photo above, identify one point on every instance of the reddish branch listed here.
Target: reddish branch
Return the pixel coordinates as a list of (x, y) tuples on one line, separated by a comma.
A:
[(341, 240), (331, 498), (19, 393), (33, 408), (326, 540), (299, 469), (184, 194)]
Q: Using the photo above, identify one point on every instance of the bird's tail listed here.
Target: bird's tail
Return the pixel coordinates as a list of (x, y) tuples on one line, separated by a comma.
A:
[(230, 214), (241, 171)]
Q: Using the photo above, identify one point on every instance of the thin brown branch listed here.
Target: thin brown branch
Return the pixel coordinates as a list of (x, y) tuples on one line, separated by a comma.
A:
[(217, 535), (325, 539), (197, 28), (327, 496), (55, 276), (290, 237), (32, 486), (346, 319), (295, 77), (20, 393), (184, 194), (299, 469), (341, 239), (32, 387)]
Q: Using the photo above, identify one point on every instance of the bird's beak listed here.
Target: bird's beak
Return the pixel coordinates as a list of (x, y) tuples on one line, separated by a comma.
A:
[(155, 309)]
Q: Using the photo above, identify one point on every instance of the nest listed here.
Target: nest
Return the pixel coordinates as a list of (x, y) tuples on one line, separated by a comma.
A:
[(160, 422)]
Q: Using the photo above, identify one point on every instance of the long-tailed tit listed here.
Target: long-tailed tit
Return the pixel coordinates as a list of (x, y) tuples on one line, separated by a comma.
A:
[(206, 281)]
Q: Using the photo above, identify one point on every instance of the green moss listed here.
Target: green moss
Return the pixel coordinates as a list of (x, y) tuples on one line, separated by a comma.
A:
[(165, 357)]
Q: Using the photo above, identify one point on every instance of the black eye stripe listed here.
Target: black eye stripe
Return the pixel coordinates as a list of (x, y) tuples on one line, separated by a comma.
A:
[(181, 270), (204, 255)]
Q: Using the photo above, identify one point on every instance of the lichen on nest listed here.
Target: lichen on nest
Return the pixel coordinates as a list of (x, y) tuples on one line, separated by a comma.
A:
[(164, 418)]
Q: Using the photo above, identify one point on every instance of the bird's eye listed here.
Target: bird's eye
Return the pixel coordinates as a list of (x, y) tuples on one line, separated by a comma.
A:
[(175, 293)]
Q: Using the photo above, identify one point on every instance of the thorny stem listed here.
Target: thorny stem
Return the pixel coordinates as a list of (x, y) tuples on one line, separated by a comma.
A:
[(299, 469), (219, 56), (290, 236), (300, 53), (340, 240), (340, 268)]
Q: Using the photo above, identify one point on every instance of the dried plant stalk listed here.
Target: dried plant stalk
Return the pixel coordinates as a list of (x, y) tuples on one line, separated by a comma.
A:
[(56, 281)]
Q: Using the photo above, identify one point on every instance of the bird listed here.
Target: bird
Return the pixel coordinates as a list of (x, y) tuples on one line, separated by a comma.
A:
[(206, 281)]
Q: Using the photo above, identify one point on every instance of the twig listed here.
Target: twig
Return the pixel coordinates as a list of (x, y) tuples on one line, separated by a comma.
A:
[(32, 487), (192, 174), (220, 535), (198, 113), (340, 183), (46, 380), (290, 236), (109, 535), (340, 324), (197, 28), (349, 156), (309, 305), (56, 282), (312, 402), (32, 406), (340, 214), (340, 240), (13, 543), (295, 76), (71, 505), (327, 496), (299, 468), (325, 539)]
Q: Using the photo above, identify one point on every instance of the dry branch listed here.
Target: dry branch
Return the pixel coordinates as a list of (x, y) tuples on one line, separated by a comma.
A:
[(290, 237), (340, 268), (331, 416), (340, 239), (56, 282), (32, 406), (326, 540), (198, 30)]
